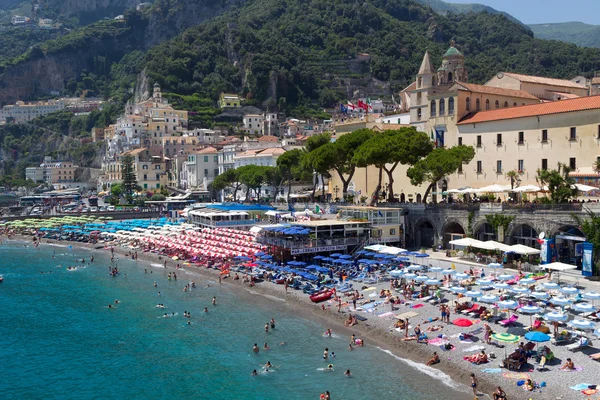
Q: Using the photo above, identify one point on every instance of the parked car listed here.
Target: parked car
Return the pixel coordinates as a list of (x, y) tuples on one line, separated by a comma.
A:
[(110, 208), (93, 209)]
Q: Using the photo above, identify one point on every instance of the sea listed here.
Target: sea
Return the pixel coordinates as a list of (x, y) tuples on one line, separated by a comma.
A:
[(60, 340)]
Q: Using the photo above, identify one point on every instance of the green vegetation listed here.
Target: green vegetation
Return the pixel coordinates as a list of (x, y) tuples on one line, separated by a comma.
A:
[(499, 220), (443, 7), (581, 34), (129, 181), (590, 227), (16, 41), (202, 110), (560, 185)]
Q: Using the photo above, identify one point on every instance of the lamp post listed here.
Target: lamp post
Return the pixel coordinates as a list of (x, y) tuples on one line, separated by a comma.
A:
[(336, 190)]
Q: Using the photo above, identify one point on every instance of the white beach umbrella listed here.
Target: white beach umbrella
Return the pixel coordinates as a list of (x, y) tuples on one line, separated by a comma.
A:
[(458, 289), (505, 277), (526, 281), (484, 282), (435, 269), (560, 301), (550, 285), (448, 272), (540, 295), (582, 324), (414, 267), (410, 276), (570, 290), (397, 273), (520, 290), (530, 309), (597, 332), (510, 304), (495, 265), (591, 295), (583, 307), (501, 285), (489, 298), (462, 275), (473, 293), (433, 282), (421, 278), (556, 316)]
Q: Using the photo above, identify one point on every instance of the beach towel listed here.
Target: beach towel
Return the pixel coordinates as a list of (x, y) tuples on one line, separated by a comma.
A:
[(516, 375), (492, 370), (466, 341), (417, 306), (580, 386), (443, 347), (576, 369), (589, 392), (437, 341), (386, 314), (474, 348), (370, 288), (475, 331)]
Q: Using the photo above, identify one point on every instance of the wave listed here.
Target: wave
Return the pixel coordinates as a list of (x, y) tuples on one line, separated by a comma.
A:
[(431, 372), (268, 296)]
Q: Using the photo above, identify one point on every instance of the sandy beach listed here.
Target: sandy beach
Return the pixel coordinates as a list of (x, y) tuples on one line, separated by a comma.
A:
[(378, 330)]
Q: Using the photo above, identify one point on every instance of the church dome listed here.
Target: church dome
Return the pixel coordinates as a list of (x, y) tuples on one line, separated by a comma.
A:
[(453, 52)]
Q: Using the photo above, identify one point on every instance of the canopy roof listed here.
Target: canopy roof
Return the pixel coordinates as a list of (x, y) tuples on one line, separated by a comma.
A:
[(558, 266)]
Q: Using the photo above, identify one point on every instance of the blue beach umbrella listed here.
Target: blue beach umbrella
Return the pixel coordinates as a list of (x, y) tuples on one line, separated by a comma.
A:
[(461, 276), (458, 289), (433, 282), (396, 273), (501, 285), (550, 285), (435, 269), (537, 337), (414, 267), (362, 252), (560, 301), (403, 259), (583, 307), (582, 324), (526, 281), (410, 276), (346, 257), (540, 295), (473, 293), (494, 265), (364, 261), (484, 282), (448, 272), (508, 304), (421, 255), (530, 309), (421, 278), (591, 296), (520, 290), (336, 255), (570, 290), (489, 298), (318, 257), (505, 277), (597, 332), (555, 316)]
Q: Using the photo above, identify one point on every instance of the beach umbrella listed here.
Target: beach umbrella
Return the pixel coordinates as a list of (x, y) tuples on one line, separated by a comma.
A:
[(435, 269), (505, 277), (526, 281), (501, 285), (473, 293), (421, 278), (550, 285), (530, 310), (396, 273), (508, 304), (583, 307), (570, 290), (462, 322), (321, 257), (540, 295), (336, 255), (591, 295), (582, 324), (421, 255), (489, 298), (414, 267), (448, 272), (520, 290), (462, 275), (537, 337), (505, 338), (433, 282), (556, 316), (597, 332), (560, 301), (402, 259), (346, 257), (458, 289), (484, 282), (410, 276), (495, 265)]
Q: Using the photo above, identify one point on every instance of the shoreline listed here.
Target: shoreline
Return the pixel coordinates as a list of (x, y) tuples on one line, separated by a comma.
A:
[(409, 353)]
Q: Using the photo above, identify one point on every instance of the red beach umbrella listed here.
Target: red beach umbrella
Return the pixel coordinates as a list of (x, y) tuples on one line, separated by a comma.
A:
[(463, 322)]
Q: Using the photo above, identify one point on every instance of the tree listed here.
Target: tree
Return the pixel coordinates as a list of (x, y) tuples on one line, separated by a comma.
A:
[(229, 178), (438, 164), (560, 185), (128, 178), (590, 227), (514, 178), (291, 167), (312, 163), (116, 191), (388, 149)]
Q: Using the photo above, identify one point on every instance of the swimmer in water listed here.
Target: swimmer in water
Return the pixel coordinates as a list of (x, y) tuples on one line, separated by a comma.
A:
[(214, 301), (255, 348), (110, 306), (268, 365), (266, 346), (281, 344), (267, 327), (330, 367), (333, 354), (272, 323), (117, 301), (205, 309), (328, 332), (189, 322), (347, 373), (155, 285), (254, 373), (326, 354)]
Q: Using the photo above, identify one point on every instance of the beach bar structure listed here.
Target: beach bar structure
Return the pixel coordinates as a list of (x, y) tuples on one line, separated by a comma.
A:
[(387, 223), (304, 239), (228, 215)]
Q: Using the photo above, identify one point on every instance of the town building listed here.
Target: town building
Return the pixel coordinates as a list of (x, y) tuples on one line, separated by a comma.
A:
[(151, 171), (253, 124), (387, 223), (19, 20), (201, 169), (35, 174), (541, 87), (263, 157), (22, 112), (228, 100)]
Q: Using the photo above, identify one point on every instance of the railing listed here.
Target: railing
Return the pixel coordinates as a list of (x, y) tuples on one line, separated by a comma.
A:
[(295, 244), (235, 222)]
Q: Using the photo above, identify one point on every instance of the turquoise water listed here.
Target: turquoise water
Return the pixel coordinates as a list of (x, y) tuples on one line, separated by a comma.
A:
[(59, 340)]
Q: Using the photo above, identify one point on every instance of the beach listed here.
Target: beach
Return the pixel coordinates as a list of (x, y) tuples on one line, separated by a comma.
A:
[(378, 331)]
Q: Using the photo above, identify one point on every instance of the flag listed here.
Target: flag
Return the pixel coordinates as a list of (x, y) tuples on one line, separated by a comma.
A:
[(362, 105), (350, 106), (369, 106), (317, 209), (439, 138), (343, 109), (379, 213)]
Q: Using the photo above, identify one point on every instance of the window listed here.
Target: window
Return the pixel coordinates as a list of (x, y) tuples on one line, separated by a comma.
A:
[(393, 231), (442, 107), (544, 164), (205, 158), (514, 104), (477, 105), (499, 166), (158, 185), (499, 139), (479, 167), (521, 137), (506, 104), (478, 140), (432, 108), (572, 163), (521, 165), (157, 177), (205, 172), (215, 158), (145, 186), (598, 136), (157, 167), (545, 135), (497, 104), (487, 104), (216, 171), (468, 104), (419, 82), (460, 141), (451, 105), (418, 98), (573, 133), (418, 114), (460, 169), (145, 177)]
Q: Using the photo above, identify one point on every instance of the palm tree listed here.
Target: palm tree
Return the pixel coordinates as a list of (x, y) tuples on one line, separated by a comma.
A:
[(596, 166), (514, 178)]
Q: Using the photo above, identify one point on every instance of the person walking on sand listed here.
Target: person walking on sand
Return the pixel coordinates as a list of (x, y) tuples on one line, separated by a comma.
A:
[(406, 328), (474, 384)]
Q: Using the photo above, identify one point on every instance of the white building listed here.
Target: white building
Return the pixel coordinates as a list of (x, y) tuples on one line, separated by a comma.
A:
[(253, 124), (36, 174), (226, 157), (262, 157), (399, 119), (201, 168), (22, 112), (207, 136), (19, 20)]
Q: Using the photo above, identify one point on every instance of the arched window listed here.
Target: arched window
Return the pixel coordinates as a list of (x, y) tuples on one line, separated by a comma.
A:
[(451, 106), (506, 104), (432, 108), (402, 198), (497, 104), (487, 104), (418, 114), (477, 105), (442, 107), (449, 77), (419, 83), (515, 104), (419, 197), (468, 104)]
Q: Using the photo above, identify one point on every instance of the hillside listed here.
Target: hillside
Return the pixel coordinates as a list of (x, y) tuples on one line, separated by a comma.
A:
[(581, 34), (444, 7)]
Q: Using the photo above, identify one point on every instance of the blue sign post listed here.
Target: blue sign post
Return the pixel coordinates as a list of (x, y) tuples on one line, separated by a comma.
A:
[(587, 259)]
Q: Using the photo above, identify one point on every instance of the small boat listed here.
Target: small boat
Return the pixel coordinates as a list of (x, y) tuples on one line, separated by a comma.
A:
[(1, 278), (322, 296)]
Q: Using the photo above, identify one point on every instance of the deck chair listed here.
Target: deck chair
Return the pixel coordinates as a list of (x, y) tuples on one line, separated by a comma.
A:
[(507, 322), (469, 310), (580, 344)]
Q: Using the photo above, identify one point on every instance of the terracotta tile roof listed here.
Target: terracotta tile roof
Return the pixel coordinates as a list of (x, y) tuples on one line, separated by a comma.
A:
[(565, 95), (134, 152), (208, 150), (544, 81), (268, 138), (496, 91), (596, 80), (410, 87), (554, 107)]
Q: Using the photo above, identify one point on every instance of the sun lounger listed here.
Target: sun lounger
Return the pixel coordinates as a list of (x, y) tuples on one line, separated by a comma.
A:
[(506, 322), (562, 339), (477, 312), (512, 364), (595, 356), (469, 310), (580, 344)]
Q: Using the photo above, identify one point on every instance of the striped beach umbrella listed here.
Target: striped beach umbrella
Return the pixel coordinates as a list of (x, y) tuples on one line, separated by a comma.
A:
[(582, 324), (461, 276), (506, 277), (410, 276), (526, 281), (433, 282), (458, 289), (540, 295), (570, 290), (560, 301), (484, 282), (421, 278), (489, 298), (583, 307), (473, 293), (555, 316), (550, 285), (520, 290), (505, 338), (501, 285), (508, 304)]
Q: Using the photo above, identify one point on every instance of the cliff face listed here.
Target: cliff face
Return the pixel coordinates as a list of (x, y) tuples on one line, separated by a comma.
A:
[(87, 8)]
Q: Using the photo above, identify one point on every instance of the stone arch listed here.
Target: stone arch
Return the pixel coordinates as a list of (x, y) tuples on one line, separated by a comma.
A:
[(523, 233), (419, 197), (425, 233), (452, 229), (402, 198), (477, 105), (482, 230)]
